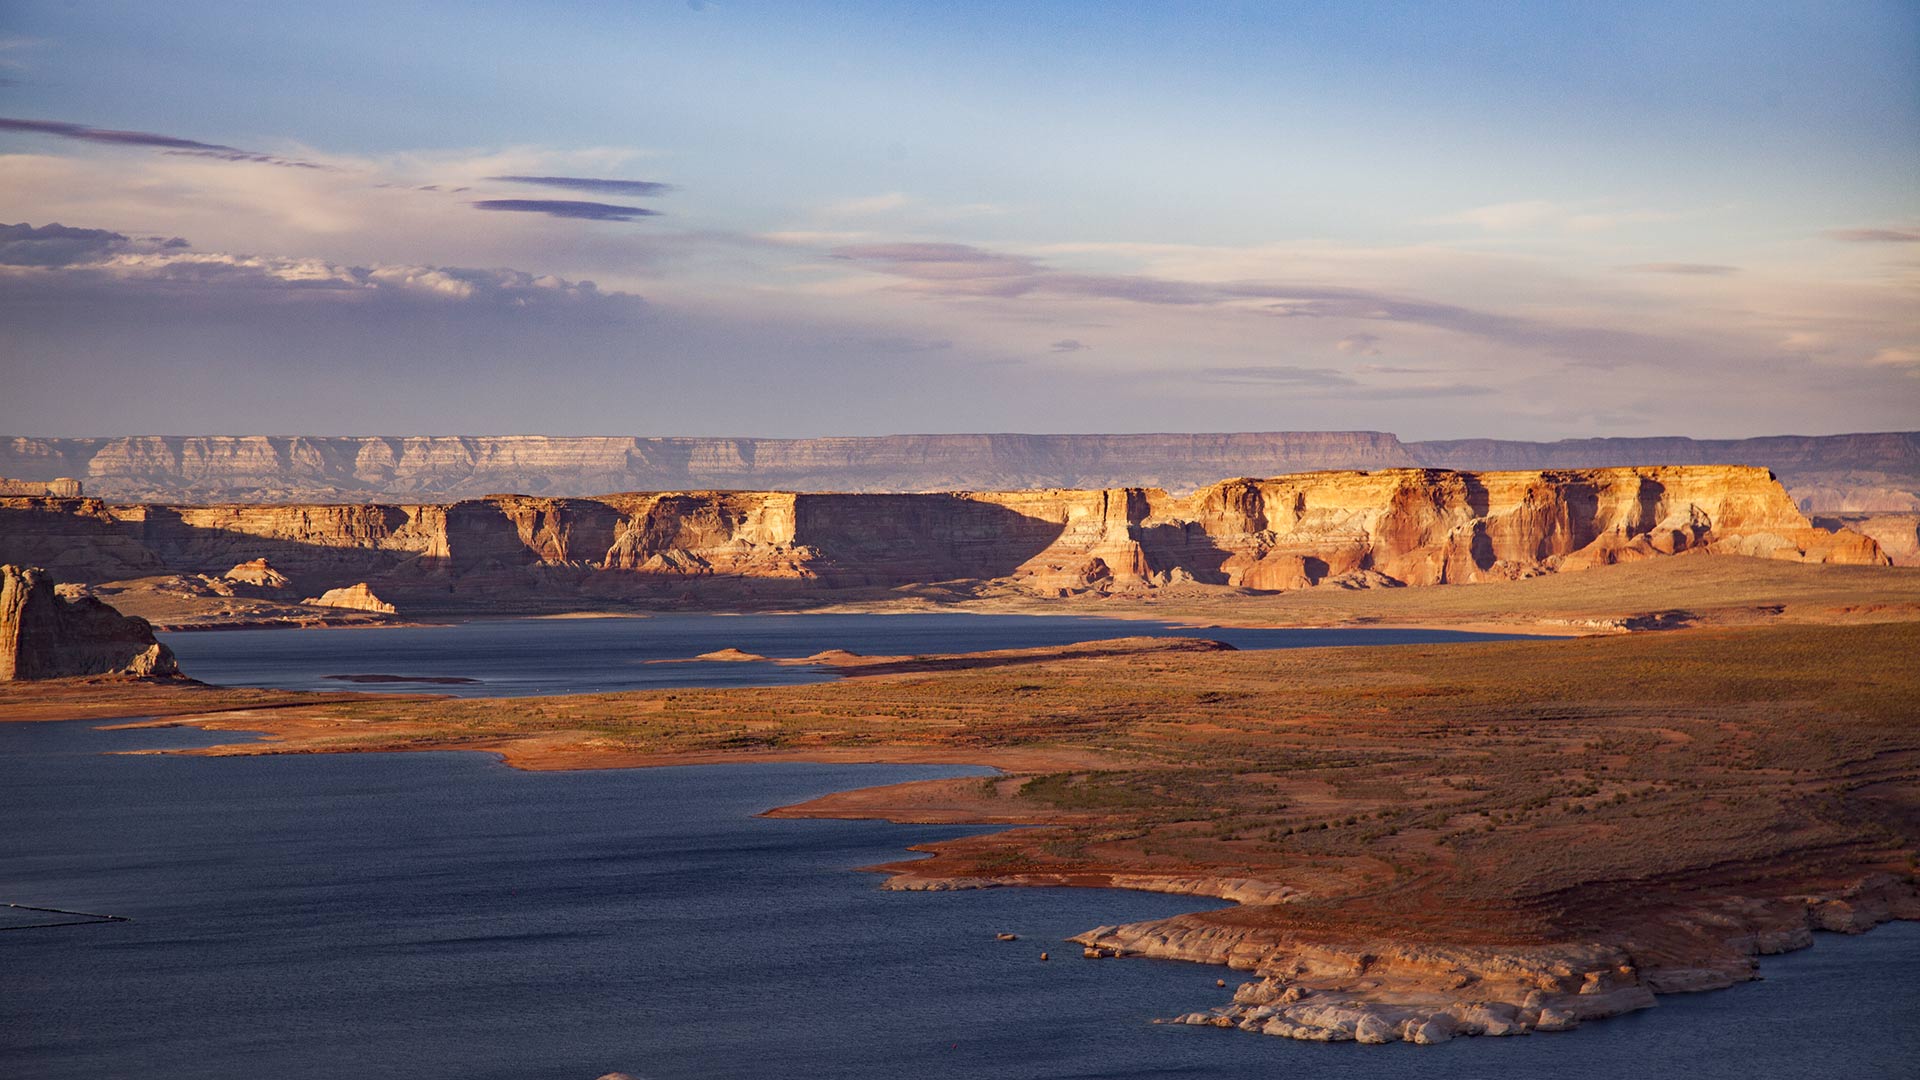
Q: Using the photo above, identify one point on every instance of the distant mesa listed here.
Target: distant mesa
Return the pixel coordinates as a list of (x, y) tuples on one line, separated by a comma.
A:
[(357, 597), (1876, 471), (45, 636), (65, 487)]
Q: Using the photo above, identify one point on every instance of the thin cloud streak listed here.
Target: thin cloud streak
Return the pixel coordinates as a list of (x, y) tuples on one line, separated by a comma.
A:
[(1685, 269), (591, 183), (568, 208), (1875, 236), (1330, 382), (171, 144), (961, 270)]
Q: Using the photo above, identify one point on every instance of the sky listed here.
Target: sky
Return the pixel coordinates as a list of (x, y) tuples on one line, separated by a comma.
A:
[(727, 217)]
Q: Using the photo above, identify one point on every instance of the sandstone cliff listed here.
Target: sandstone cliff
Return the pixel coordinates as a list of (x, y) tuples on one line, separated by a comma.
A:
[(1840, 472), (43, 636), (1897, 534), (1348, 529)]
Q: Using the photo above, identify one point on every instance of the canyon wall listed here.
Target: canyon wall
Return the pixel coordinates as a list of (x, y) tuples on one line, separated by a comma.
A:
[(1878, 472), (45, 636), (1343, 528)]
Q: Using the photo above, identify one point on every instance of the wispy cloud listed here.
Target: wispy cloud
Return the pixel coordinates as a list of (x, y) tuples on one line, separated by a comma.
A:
[(960, 270), (58, 245), (1068, 345), (1685, 269), (1278, 375), (1539, 214), (894, 343), (172, 144), (1359, 344), (568, 208), (594, 184), (59, 255), (1875, 236), (1329, 381)]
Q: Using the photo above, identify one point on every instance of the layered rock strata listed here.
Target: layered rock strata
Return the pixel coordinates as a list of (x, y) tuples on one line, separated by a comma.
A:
[(1346, 529), (356, 597), (45, 636), (1876, 471), (302, 468), (1897, 534), (1392, 990)]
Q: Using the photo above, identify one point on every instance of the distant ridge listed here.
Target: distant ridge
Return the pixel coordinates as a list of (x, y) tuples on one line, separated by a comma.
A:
[(1859, 472)]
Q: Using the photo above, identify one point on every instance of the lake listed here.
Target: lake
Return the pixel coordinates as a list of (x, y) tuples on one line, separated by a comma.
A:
[(511, 657), (439, 915)]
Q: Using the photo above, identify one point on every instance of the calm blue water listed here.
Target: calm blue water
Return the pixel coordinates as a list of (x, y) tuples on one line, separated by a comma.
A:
[(557, 656), (440, 915)]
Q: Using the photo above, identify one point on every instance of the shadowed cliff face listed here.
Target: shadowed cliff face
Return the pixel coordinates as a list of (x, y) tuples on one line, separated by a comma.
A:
[(1879, 472), (43, 636), (1351, 529)]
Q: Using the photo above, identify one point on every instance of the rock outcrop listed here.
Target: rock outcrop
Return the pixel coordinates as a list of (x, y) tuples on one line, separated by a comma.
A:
[(44, 636), (1398, 991), (1350, 529), (258, 573), (1897, 534), (356, 597), (1879, 472)]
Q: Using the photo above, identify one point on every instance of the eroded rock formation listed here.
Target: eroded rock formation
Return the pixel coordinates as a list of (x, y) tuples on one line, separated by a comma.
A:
[(45, 636), (1348, 529), (1897, 534), (356, 597), (258, 573)]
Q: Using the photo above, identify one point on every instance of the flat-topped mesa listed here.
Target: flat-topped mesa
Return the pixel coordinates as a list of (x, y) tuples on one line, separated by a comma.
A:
[(312, 468), (1429, 527), (1351, 529), (43, 636)]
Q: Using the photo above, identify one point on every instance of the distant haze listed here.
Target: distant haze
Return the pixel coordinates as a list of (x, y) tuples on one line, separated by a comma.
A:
[(1875, 471)]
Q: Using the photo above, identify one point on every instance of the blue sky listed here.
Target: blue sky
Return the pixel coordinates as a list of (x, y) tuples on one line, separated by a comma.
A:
[(1437, 219)]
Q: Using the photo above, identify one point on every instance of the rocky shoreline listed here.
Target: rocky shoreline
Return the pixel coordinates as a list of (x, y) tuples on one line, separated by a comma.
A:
[(1386, 990)]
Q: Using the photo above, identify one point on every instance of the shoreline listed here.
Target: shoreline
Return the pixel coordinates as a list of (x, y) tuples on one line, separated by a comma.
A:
[(1527, 628), (1375, 991), (1422, 842)]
